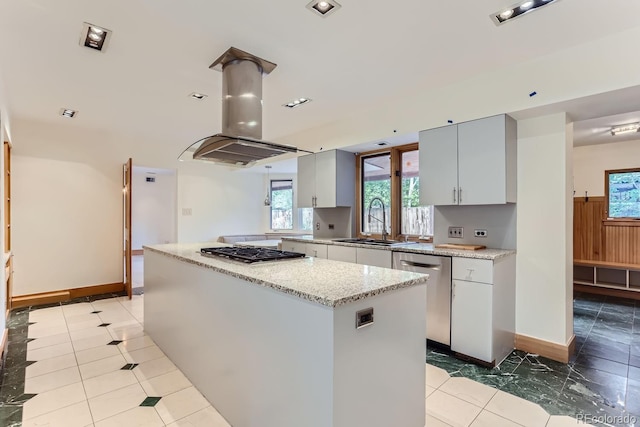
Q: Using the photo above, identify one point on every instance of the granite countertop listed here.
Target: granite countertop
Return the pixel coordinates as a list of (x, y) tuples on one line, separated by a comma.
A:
[(326, 282), (419, 248)]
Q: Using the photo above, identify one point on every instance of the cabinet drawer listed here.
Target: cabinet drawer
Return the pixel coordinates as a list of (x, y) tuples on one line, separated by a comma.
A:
[(472, 270), (316, 250), (341, 253), (294, 247), (375, 257)]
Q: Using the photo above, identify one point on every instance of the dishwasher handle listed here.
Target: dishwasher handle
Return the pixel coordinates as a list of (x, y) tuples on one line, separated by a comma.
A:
[(406, 263)]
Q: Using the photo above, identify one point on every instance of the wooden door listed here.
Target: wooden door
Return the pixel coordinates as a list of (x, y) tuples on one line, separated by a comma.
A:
[(126, 178)]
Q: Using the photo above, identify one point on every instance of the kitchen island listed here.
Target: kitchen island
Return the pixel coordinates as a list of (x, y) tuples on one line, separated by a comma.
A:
[(302, 342)]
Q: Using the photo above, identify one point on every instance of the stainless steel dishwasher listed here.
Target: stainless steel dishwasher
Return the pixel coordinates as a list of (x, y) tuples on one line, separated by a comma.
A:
[(438, 291)]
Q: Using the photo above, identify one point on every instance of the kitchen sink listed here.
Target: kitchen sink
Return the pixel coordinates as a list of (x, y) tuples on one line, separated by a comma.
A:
[(373, 242)]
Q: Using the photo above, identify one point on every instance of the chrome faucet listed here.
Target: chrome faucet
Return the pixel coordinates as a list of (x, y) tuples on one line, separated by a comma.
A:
[(384, 217)]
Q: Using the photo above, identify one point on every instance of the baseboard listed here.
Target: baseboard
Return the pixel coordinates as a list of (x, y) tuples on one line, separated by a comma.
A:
[(65, 295), (137, 252), (550, 350), (620, 293)]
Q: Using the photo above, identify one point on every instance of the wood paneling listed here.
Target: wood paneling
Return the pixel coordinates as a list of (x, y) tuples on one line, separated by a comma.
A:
[(550, 350), (587, 228), (621, 241)]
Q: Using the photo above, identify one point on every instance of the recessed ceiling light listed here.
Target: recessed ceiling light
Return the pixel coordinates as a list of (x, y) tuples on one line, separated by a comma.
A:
[(519, 9), (94, 37), (66, 112), (323, 7), (296, 102), (628, 128), (198, 96)]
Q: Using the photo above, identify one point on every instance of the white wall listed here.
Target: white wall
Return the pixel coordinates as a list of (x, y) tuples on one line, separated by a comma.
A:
[(222, 201), (3, 280), (544, 304), (590, 162), (153, 207), (66, 224)]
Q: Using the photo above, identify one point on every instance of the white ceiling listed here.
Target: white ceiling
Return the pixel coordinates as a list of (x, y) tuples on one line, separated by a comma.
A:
[(133, 98)]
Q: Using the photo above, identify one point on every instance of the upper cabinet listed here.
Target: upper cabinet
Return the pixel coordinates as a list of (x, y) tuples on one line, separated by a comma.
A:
[(326, 179), (471, 163)]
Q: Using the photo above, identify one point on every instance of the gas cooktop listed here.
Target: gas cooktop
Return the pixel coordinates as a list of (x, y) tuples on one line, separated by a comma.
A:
[(249, 255)]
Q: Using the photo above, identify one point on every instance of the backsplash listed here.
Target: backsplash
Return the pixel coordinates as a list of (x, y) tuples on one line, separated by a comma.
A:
[(340, 219), (499, 221)]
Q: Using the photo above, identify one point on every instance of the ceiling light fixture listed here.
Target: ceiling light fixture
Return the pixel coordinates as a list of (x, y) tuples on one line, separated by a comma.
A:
[(94, 37), (66, 112), (198, 96), (323, 7), (628, 128), (267, 199), (518, 9), (296, 102)]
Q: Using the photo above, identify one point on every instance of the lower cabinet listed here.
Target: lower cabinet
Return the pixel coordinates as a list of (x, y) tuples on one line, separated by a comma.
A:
[(290, 246), (375, 257), (316, 250), (471, 319), (341, 253), (483, 308)]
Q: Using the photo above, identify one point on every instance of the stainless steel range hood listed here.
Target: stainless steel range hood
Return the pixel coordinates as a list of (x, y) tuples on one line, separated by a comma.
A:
[(240, 142)]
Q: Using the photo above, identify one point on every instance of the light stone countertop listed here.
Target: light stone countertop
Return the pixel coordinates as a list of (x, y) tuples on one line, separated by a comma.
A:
[(418, 248), (330, 283)]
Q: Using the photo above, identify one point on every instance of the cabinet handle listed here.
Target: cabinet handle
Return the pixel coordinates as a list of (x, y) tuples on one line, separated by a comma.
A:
[(460, 195), (315, 253), (454, 194)]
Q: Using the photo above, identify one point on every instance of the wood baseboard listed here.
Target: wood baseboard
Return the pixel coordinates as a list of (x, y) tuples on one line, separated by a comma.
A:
[(620, 293), (550, 350), (65, 295), (137, 252)]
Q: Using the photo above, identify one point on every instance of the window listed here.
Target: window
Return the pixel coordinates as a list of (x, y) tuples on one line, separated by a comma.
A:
[(391, 177), (305, 219), (281, 204), (622, 189)]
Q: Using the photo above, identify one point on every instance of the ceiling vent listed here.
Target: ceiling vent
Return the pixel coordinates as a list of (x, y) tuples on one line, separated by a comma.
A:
[(240, 142)]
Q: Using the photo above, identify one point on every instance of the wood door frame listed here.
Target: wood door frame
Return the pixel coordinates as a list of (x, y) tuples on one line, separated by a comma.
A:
[(127, 171)]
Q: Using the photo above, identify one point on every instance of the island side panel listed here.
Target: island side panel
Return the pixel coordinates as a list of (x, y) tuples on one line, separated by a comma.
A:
[(380, 368), (261, 357)]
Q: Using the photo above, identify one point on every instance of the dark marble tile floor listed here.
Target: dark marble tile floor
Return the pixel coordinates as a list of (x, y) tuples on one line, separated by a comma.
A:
[(602, 378), (12, 369)]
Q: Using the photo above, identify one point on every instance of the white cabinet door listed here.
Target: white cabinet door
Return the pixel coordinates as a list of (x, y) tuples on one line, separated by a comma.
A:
[(482, 161), (294, 247), (438, 152), (375, 257), (316, 250), (306, 181), (471, 313), (341, 253), (326, 179)]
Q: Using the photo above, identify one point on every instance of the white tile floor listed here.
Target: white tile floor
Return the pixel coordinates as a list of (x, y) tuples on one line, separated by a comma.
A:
[(79, 380)]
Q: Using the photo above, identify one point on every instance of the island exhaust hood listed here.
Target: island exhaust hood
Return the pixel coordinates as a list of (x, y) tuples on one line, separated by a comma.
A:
[(239, 143)]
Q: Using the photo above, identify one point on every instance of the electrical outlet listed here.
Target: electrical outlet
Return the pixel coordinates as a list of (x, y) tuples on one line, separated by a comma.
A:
[(331, 226), (187, 212), (456, 232), (317, 226), (480, 233)]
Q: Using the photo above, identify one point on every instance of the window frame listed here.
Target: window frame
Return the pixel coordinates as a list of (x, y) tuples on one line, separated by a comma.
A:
[(396, 191), (607, 206), (271, 181)]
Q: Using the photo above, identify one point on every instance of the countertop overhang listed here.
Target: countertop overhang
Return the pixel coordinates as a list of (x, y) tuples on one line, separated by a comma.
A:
[(326, 282)]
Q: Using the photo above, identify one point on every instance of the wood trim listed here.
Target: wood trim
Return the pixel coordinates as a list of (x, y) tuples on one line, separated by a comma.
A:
[(396, 192), (598, 290), (137, 252), (619, 265), (619, 222), (65, 295), (590, 199), (548, 349)]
